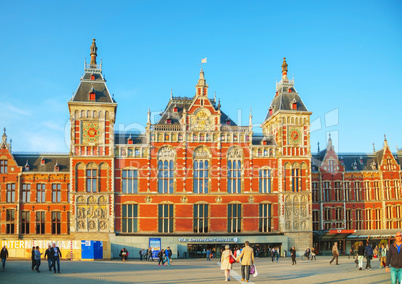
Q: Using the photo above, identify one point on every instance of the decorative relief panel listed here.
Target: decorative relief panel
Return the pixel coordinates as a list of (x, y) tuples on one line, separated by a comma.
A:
[(92, 214), (201, 153), (235, 153), (166, 153), (296, 213)]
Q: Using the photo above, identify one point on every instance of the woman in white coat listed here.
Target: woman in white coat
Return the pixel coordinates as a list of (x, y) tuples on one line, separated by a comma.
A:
[(225, 264)]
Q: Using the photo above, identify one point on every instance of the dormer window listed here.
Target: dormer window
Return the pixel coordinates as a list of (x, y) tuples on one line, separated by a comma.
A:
[(168, 121), (271, 110), (227, 122), (42, 161), (175, 109), (342, 160), (92, 96), (361, 160), (93, 77), (289, 90), (56, 168), (26, 167), (265, 142), (130, 141)]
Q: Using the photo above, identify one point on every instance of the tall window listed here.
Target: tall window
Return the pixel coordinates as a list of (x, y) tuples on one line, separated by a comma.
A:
[(359, 222), (165, 218), (265, 220), (339, 213), (348, 219), (10, 192), (296, 180), (338, 191), (3, 167), (315, 192), (68, 193), (56, 192), (92, 179), (368, 220), (10, 219), (40, 192), (201, 175), (397, 190), (367, 190), (25, 218), (130, 181), (165, 176), (26, 192), (389, 165), (327, 214), (377, 219), (129, 218), (316, 220), (56, 223), (265, 181), (40, 222), (327, 191), (331, 166), (398, 215), (348, 193), (390, 217), (234, 218), (200, 218), (357, 191), (234, 176), (68, 222)]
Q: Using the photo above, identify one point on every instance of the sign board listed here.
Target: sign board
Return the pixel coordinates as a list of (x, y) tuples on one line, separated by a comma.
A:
[(209, 240), (18, 244), (155, 245)]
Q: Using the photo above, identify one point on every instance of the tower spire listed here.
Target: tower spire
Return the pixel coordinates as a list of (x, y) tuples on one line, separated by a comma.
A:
[(284, 69), (385, 141), (201, 87), (94, 53)]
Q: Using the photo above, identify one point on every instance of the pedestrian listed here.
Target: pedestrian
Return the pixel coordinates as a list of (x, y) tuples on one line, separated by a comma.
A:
[(350, 253), (145, 254), (247, 259), (167, 255), (394, 258), (56, 258), (37, 258), (369, 255), (150, 256), (383, 256), (141, 254), (277, 254), (3, 256), (307, 253), (48, 254), (273, 254), (161, 253), (225, 263), (335, 253), (360, 255), (313, 254), (208, 255), (33, 258), (124, 254), (293, 255)]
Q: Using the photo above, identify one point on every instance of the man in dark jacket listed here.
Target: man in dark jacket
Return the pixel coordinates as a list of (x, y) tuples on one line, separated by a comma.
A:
[(293, 254), (33, 258), (369, 255), (394, 258), (49, 255), (55, 251), (3, 256)]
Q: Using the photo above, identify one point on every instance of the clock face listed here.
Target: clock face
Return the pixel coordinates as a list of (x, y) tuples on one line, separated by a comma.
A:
[(90, 132), (294, 135)]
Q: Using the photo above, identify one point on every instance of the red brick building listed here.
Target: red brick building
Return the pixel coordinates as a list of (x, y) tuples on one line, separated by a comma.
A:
[(193, 180)]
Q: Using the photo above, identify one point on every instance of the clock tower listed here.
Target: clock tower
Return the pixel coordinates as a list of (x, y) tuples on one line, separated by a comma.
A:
[(92, 117), (288, 121)]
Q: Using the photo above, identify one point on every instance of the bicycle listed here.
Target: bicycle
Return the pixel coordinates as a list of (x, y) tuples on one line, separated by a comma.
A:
[(304, 257)]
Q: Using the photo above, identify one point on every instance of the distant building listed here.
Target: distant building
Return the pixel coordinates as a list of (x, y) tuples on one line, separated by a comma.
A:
[(193, 180)]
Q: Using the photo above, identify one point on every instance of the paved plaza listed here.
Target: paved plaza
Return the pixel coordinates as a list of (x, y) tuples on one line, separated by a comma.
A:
[(185, 271)]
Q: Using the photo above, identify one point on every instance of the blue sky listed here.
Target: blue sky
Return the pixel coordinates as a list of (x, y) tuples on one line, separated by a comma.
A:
[(345, 57)]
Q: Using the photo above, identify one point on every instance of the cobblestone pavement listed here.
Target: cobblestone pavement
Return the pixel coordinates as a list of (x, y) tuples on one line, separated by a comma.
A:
[(185, 271)]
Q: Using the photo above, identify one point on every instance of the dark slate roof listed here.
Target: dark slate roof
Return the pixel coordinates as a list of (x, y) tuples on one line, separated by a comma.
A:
[(283, 101), (98, 85), (184, 103), (34, 161), (122, 138), (258, 138)]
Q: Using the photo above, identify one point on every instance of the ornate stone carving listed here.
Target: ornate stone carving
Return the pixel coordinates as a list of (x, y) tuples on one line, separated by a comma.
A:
[(184, 199), (102, 225), (251, 199), (80, 199), (166, 153), (81, 225), (91, 225), (91, 199), (88, 213), (235, 153), (218, 199), (201, 153), (102, 199), (148, 199)]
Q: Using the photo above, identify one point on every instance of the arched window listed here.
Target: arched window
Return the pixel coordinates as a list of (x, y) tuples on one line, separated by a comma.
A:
[(265, 180), (296, 179), (92, 178), (201, 170), (166, 158), (234, 165)]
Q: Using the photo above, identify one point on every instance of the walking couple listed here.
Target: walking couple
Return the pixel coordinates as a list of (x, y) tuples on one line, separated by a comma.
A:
[(247, 259)]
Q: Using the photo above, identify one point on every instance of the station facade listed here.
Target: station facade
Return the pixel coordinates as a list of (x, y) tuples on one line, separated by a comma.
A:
[(193, 180)]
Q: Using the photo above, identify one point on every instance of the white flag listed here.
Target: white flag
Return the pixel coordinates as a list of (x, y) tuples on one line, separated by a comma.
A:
[(204, 60)]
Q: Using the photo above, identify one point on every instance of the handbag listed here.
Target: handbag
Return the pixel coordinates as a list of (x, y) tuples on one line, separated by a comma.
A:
[(252, 269), (231, 259)]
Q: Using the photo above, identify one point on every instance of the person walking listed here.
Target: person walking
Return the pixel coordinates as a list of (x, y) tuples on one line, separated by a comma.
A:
[(167, 255), (33, 258), (360, 255), (56, 258), (277, 254), (369, 255), (124, 254), (247, 259), (141, 254), (350, 253), (293, 255), (313, 254), (225, 263), (37, 258), (161, 253), (335, 253), (150, 256), (383, 256), (3, 256), (48, 254), (272, 254), (208, 255), (394, 258)]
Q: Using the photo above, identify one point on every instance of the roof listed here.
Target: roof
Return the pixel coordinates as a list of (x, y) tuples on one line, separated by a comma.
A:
[(98, 86), (35, 165), (257, 139), (284, 101), (122, 138)]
